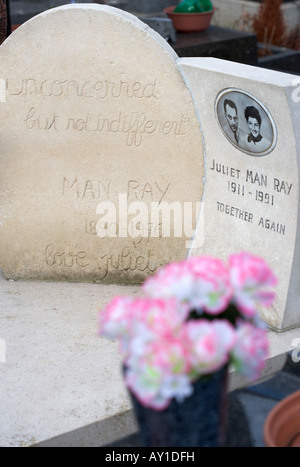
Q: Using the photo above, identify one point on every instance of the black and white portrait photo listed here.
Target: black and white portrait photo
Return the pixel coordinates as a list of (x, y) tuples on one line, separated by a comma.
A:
[(245, 122)]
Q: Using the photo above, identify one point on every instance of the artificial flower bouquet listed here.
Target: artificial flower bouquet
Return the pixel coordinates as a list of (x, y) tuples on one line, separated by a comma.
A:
[(194, 318)]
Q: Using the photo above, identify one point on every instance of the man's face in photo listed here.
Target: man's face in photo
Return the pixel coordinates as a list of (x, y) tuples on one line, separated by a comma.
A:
[(232, 118)]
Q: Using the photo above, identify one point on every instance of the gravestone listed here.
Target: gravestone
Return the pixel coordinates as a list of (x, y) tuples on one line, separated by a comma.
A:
[(251, 130), (97, 124)]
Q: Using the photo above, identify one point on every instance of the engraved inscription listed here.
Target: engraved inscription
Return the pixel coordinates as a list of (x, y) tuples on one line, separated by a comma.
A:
[(99, 90), (65, 259), (134, 126), (126, 261), (148, 231), (86, 189), (147, 191), (258, 187)]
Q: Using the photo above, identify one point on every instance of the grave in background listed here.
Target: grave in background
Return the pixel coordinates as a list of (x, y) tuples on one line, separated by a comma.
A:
[(236, 13)]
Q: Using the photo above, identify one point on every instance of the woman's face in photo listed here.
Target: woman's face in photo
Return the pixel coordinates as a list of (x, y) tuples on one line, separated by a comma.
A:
[(254, 127)]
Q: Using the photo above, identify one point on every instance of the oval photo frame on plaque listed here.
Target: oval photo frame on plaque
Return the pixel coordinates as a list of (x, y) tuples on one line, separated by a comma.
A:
[(246, 122)]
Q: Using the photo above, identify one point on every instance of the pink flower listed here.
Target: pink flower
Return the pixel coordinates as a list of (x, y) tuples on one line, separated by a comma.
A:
[(250, 351), (175, 280), (153, 319), (161, 316), (123, 313), (145, 383), (212, 288), (135, 322), (251, 279), (210, 344), (200, 283), (166, 347), (114, 320), (160, 373)]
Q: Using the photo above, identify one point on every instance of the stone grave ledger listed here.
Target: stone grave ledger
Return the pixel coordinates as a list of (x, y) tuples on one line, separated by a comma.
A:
[(99, 135), (251, 126)]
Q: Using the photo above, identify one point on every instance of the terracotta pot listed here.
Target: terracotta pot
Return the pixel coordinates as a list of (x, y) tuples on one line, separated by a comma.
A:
[(189, 22), (282, 426)]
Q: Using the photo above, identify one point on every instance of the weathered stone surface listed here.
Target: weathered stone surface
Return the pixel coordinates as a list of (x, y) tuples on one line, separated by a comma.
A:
[(251, 199), (94, 109)]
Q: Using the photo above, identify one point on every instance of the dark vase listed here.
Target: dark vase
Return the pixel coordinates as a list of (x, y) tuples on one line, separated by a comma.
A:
[(199, 421)]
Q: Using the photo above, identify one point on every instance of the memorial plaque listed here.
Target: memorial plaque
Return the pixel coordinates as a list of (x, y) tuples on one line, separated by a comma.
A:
[(97, 127), (250, 119)]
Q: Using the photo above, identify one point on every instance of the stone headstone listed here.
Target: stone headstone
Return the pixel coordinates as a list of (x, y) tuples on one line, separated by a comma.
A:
[(97, 123), (251, 130)]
